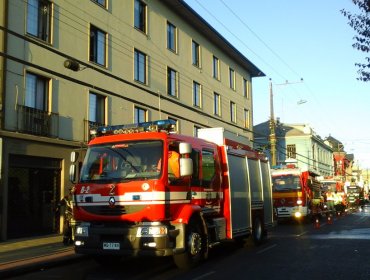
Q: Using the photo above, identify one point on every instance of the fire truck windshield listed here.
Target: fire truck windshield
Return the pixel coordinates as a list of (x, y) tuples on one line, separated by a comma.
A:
[(286, 183), (118, 162)]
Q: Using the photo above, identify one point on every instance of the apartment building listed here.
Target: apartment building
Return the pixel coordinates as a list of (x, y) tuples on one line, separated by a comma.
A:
[(68, 66)]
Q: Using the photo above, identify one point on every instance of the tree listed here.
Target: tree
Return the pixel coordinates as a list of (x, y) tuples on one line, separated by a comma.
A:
[(361, 24)]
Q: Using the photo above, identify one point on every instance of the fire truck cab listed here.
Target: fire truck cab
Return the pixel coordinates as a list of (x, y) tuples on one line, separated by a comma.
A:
[(145, 190)]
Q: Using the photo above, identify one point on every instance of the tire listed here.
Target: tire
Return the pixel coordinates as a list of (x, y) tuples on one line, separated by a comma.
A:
[(257, 231), (195, 246)]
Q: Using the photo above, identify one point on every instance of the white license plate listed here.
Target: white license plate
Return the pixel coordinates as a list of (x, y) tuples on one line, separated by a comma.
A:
[(111, 246)]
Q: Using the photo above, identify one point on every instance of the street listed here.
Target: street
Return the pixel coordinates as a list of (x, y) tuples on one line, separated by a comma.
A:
[(293, 251)]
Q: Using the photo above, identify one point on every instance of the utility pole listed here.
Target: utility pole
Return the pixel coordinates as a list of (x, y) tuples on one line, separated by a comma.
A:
[(272, 124), (272, 136)]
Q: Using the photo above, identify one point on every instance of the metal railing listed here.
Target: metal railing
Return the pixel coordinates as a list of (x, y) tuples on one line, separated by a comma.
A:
[(37, 122)]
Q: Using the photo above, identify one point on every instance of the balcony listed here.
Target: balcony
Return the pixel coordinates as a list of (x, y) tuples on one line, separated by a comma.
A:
[(37, 122)]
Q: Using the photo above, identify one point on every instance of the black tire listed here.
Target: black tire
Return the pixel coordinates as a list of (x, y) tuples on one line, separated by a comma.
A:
[(195, 246), (257, 231)]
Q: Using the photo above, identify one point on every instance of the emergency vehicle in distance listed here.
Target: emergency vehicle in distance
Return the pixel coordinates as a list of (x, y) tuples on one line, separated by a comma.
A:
[(294, 191), (146, 190)]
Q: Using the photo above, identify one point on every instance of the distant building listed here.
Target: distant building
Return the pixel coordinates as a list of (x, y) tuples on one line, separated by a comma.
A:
[(298, 143), (342, 161), (68, 66)]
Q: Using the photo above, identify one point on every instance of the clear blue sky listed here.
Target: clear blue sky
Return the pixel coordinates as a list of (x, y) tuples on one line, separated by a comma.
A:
[(289, 40)]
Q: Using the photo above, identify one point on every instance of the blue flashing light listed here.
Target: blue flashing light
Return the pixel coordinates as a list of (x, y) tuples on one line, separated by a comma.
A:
[(153, 126)]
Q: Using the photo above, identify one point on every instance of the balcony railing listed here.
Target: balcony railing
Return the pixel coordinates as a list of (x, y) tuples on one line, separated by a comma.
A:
[(37, 122)]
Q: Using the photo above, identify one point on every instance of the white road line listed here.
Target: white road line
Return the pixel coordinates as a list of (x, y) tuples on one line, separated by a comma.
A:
[(303, 233), (266, 249), (204, 275)]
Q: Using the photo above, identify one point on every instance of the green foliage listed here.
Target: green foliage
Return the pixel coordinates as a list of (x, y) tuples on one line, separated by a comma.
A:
[(360, 22)]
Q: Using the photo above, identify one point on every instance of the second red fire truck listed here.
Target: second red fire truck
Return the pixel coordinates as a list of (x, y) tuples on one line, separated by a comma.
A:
[(297, 193), (145, 190)]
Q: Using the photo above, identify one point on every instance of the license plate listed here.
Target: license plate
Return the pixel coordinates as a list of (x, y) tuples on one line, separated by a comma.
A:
[(111, 246)]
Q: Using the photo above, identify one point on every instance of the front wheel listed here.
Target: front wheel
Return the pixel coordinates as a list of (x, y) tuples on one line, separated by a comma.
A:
[(195, 246)]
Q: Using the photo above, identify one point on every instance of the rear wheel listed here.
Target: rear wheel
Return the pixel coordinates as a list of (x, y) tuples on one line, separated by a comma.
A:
[(257, 231), (195, 246)]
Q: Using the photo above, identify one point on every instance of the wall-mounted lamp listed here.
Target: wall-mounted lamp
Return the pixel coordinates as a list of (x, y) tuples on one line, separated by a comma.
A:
[(72, 65)]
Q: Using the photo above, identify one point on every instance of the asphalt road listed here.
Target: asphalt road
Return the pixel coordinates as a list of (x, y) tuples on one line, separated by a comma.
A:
[(293, 251)]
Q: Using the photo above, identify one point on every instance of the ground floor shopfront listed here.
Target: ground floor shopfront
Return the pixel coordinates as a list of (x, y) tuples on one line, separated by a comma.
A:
[(34, 177)]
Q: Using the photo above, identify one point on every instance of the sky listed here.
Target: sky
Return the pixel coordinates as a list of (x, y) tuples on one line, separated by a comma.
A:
[(290, 40)]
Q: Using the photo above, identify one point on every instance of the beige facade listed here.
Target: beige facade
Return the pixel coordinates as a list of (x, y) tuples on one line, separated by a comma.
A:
[(135, 61)]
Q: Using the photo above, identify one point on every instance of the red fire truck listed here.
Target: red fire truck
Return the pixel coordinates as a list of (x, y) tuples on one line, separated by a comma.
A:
[(145, 190), (295, 192)]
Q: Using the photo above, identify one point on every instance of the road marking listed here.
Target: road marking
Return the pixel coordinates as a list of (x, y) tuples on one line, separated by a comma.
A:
[(266, 249), (302, 233), (204, 275)]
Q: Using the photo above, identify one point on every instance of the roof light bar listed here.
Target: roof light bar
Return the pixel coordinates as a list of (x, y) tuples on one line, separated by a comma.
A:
[(154, 126)]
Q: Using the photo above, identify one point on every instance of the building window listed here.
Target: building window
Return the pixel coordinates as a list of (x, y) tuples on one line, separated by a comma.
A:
[(96, 108), (98, 43), (171, 37), (246, 88), (39, 19), (197, 95), (37, 92), (216, 68), (246, 118), (195, 130), (232, 78), (140, 66), (140, 15), (102, 3), (171, 82), (291, 151), (140, 115), (217, 104), (195, 53), (232, 112)]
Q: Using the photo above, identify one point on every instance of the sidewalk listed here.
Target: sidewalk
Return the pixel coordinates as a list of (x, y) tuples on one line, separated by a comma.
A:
[(23, 255)]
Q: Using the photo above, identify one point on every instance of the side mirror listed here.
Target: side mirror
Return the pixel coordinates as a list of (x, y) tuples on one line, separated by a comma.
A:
[(72, 173), (184, 148), (74, 156), (186, 167)]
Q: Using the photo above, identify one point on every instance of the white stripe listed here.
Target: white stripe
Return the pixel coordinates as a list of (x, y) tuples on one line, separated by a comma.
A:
[(132, 203), (134, 196), (148, 196), (206, 195), (144, 198)]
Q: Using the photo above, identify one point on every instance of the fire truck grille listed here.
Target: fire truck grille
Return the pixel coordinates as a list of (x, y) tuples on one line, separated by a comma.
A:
[(112, 211)]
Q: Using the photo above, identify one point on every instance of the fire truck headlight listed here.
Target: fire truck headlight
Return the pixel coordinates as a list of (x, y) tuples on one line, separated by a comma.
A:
[(298, 214), (299, 201), (82, 231), (148, 231)]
